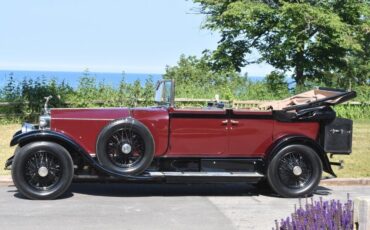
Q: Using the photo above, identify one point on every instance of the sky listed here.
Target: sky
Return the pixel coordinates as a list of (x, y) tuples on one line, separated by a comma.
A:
[(141, 36)]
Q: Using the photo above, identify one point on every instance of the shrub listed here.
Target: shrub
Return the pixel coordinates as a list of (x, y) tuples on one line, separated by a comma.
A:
[(277, 84), (330, 215), (27, 96)]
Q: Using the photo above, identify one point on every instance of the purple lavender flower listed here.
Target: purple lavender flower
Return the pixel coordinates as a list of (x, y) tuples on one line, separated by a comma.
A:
[(317, 215)]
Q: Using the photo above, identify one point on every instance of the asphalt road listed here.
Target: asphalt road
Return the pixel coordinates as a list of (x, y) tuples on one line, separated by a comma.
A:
[(150, 206)]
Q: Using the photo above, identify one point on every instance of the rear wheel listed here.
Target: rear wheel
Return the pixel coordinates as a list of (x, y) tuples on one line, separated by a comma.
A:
[(42, 170), (295, 171)]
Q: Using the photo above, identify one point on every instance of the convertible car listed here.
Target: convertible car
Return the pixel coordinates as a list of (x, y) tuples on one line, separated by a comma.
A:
[(284, 144)]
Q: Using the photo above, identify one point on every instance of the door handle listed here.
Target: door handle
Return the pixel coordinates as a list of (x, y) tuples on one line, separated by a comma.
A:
[(224, 122), (233, 122)]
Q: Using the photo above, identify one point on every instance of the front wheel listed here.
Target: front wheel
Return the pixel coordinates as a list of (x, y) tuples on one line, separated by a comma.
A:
[(295, 171), (42, 170)]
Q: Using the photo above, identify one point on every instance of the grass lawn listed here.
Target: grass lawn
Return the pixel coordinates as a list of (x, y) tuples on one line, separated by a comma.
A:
[(355, 165), (6, 134)]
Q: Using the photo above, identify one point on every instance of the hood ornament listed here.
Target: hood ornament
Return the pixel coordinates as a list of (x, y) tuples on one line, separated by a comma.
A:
[(46, 109)]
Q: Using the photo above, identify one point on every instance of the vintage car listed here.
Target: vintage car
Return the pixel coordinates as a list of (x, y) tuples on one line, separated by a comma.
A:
[(284, 144)]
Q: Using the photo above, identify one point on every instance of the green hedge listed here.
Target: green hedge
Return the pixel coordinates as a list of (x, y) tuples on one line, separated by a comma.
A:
[(28, 95)]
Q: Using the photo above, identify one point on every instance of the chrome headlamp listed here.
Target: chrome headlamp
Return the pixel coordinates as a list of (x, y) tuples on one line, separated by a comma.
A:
[(27, 127), (44, 121)]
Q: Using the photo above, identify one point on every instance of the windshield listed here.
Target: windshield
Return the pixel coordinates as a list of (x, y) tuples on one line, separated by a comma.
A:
[(163, 93)]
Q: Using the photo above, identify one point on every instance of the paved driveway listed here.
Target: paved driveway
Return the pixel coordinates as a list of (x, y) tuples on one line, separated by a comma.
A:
[(150, 206)]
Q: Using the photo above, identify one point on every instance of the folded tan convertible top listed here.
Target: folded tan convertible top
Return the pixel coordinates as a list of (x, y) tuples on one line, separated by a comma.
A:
[(304, 98)]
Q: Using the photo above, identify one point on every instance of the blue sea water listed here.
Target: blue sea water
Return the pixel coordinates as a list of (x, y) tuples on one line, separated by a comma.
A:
[(72, 78)]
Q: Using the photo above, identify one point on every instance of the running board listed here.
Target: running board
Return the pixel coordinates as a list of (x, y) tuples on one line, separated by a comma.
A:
[(181, 177), (210, 177)]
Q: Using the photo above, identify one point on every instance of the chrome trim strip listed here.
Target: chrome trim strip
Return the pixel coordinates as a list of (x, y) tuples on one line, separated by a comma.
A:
[(92, 108), (83, 119), (208, 174)]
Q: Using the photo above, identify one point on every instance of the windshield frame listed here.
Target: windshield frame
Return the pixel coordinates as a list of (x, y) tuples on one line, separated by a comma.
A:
[(163, 88)]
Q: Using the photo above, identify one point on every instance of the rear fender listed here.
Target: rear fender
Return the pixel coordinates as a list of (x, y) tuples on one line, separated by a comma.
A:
[(298, 139), (72, 146)]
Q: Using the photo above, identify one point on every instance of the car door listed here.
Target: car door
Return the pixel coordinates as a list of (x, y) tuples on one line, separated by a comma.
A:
[(250, 132), (198, 132)]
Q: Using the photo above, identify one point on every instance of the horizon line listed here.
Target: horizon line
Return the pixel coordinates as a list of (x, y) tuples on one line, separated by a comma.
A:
[(81, 71), (96, 72)]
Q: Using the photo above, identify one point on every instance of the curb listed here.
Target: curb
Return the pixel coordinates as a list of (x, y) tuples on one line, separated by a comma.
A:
[(6, 179), (346, 182), (365, 181)]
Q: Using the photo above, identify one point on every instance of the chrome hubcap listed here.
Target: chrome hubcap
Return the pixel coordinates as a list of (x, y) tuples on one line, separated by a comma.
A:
[(297, 171), (126, 148), (43, 171)]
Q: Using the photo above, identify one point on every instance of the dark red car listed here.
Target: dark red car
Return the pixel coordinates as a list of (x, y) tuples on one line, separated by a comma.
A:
[(284, 144)]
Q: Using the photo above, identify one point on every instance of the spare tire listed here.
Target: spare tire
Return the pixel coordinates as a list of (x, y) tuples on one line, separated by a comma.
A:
[(125, 146)]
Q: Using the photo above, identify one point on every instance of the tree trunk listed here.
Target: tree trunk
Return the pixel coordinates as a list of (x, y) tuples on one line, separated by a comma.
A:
[(299, 61), (299, 76)]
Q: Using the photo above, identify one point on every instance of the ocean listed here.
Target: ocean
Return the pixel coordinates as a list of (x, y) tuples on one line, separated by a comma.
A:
[(72, 78)]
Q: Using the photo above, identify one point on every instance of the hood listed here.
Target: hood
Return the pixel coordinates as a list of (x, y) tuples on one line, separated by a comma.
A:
[(90, 113)]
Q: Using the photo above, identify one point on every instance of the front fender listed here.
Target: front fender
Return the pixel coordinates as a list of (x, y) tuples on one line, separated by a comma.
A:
[(40, 135), (72, 146), (299, 139)]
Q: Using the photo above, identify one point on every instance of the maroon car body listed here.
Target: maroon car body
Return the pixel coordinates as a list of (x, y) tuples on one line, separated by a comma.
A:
[(194, 132), (283, 144)]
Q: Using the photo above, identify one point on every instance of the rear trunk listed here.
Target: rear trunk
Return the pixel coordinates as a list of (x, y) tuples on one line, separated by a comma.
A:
[(337, 136)]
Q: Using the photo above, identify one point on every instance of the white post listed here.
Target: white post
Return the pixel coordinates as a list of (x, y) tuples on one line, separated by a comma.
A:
[(361, 216)]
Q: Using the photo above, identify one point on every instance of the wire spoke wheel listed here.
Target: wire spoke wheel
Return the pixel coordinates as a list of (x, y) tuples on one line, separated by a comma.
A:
[(42, 170), (125, 148), (294, 170)]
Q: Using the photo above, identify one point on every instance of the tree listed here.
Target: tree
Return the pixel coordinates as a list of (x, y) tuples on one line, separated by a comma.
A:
[(135, 93), (277, 84), (148, 91), (310, 38), (195, 78), (357, 70)]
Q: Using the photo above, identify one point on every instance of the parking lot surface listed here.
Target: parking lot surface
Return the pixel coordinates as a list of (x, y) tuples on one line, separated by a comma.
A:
[(156, 206)]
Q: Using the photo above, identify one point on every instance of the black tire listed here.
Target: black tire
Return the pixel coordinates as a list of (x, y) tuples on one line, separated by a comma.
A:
[(295, 171), (28, 162), (129, 132)]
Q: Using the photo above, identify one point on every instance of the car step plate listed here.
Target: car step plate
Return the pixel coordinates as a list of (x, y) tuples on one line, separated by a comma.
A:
[(208, 177), (207, 174)]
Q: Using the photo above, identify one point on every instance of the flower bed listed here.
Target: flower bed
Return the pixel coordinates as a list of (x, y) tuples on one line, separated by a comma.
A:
[(331, 215)]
